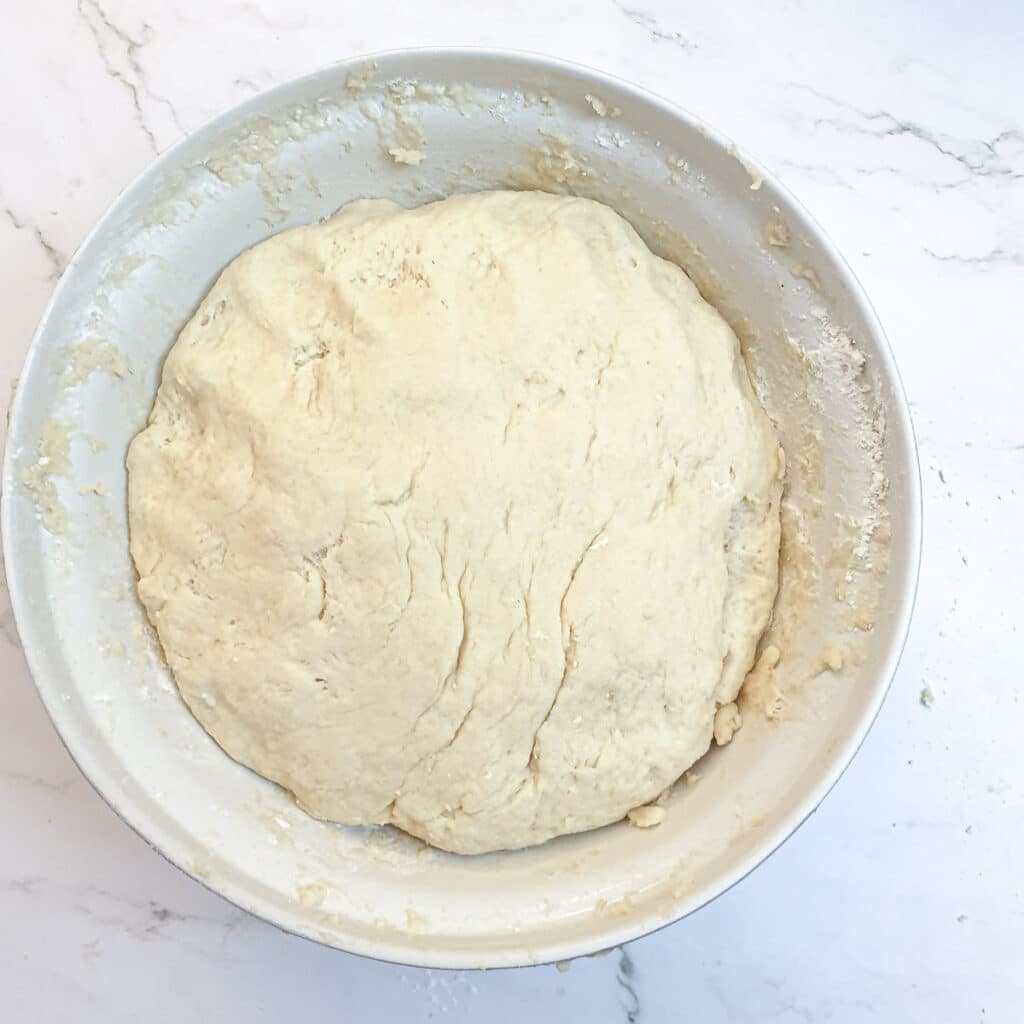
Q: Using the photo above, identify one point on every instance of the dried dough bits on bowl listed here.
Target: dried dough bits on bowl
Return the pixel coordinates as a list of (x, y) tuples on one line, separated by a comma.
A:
[(819, 364)]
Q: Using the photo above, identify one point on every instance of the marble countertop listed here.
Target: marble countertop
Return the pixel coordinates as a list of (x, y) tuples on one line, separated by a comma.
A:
[(900, 127)]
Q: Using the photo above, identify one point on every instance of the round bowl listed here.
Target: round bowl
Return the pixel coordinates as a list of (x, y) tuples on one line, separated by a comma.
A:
[(480, 120)]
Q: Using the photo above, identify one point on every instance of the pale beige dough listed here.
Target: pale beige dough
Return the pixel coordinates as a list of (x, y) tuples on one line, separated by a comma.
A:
[(463, 518)]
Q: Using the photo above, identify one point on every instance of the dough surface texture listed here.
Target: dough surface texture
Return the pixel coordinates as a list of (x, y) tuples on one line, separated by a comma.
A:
[(463, 518)]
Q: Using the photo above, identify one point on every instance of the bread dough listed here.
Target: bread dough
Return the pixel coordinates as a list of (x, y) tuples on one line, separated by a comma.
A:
[(463, 518)]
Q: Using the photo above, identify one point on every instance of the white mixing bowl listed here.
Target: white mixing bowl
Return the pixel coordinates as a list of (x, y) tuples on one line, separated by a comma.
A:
[(481, 120)]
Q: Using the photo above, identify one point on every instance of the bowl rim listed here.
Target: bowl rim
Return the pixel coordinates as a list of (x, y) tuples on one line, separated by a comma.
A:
[(612, 933)]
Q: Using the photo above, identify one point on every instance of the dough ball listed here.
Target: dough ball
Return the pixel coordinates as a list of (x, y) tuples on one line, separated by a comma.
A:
[(461, 518)]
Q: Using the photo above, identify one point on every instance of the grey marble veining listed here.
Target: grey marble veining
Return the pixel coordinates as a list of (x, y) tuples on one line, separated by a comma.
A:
[(120, 55), (57, 260)]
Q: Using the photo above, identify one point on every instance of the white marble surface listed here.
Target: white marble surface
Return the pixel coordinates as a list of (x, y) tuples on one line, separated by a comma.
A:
[(900, 126)]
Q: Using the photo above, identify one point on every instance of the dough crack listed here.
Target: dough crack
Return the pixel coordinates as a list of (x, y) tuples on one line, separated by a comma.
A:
[(668, 498), (613, 348), (464, 640), (410, 488), (311, 352), (509, 421), (568, 648), (322, 613), (442, 554), (572, 576), (411, 585), (451, 677)]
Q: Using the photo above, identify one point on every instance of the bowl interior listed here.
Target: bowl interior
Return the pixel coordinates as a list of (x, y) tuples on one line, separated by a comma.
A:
[(481, 120)]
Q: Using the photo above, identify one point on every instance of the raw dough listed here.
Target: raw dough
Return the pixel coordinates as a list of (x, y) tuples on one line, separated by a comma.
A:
[(463, 518)]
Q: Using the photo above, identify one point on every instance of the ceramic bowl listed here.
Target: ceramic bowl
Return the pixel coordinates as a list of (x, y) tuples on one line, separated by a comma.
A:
[(481, 119)]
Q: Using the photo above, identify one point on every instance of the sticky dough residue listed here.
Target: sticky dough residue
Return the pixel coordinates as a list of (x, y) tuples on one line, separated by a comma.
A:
[(756, 181), (805, 273), (552, 166), (648, 816), (411, 157), (359, 78), (415, 922), (678, 884), (74, 366), (398, 132), (775, 232), (311, 894), (252, 152), (392, 111), (52, 459), (846, 557), (78, 362), (760, 689), (679, 168), (832, 374), (601, 108)]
